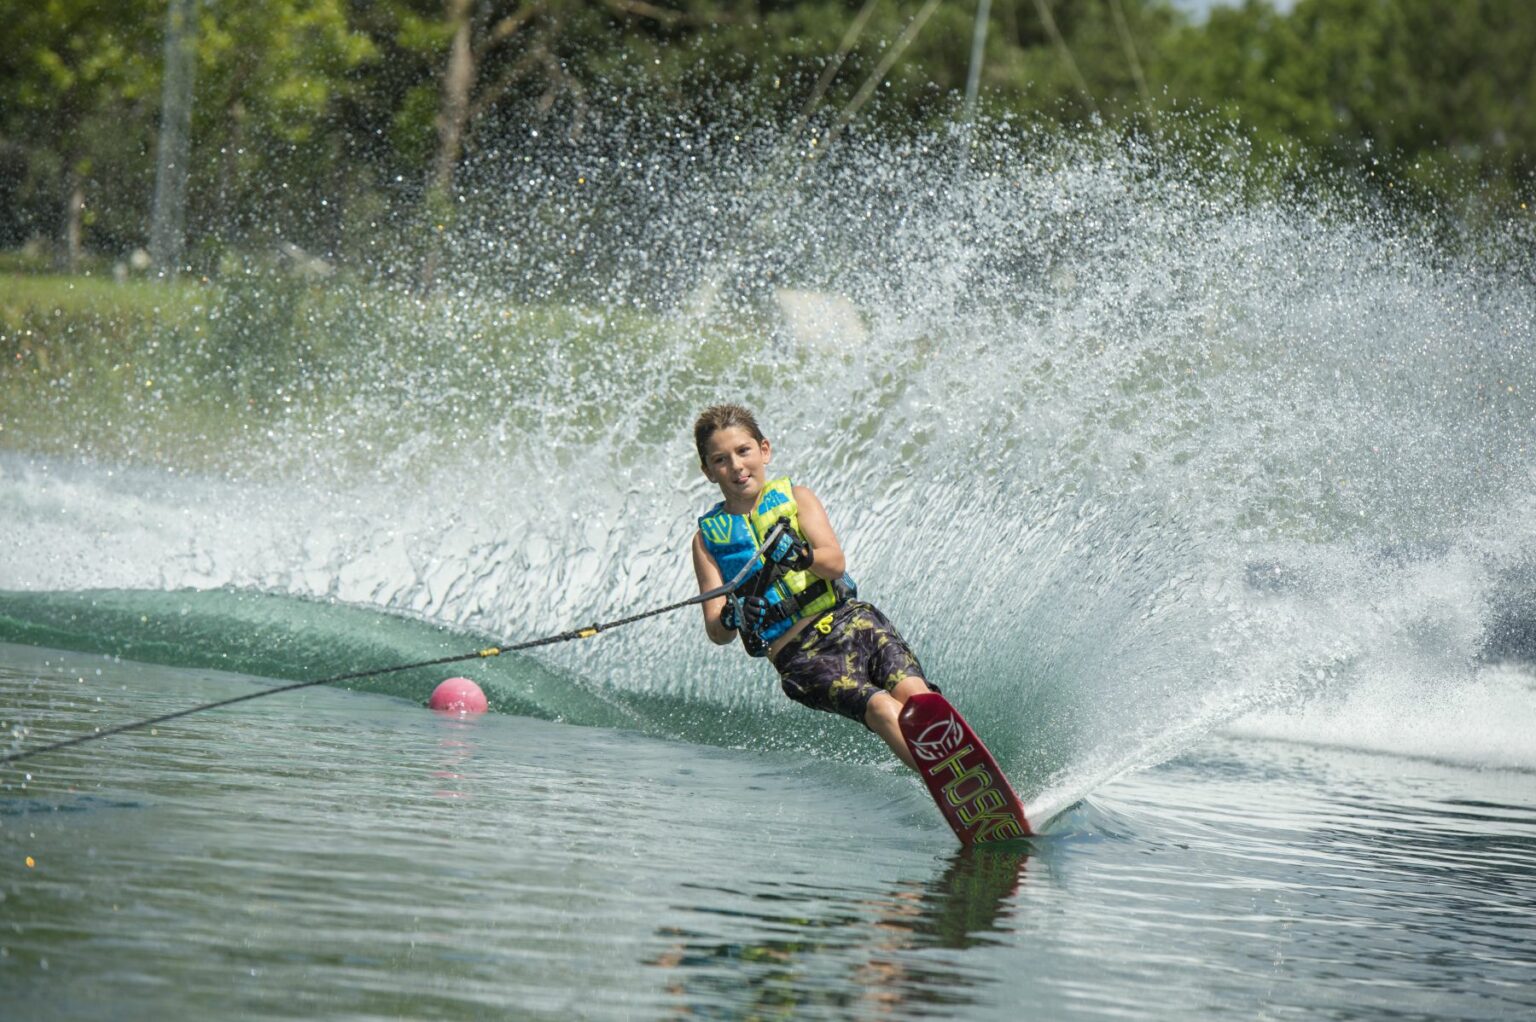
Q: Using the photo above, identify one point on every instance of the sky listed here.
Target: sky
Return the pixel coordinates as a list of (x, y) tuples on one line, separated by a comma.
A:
[(1200, 8)]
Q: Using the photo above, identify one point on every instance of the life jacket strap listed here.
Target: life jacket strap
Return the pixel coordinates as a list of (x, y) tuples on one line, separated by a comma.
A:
[(794, 606)]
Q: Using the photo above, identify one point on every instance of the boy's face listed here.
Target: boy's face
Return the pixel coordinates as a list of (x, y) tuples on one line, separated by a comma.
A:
[(738, 464)]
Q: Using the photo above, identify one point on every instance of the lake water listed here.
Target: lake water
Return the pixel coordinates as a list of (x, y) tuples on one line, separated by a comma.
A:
[(353, 855)]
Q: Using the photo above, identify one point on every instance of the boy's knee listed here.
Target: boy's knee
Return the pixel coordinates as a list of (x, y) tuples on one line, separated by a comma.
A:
[(882, 710)]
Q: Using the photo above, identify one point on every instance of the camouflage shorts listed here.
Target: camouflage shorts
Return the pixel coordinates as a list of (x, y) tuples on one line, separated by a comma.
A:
[(843, 658)]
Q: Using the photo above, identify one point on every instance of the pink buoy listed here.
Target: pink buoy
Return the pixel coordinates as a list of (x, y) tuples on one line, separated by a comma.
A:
[(458, 695)]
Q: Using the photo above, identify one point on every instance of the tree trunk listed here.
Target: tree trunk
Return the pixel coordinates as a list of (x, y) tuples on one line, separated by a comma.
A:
[(74, 217), (227, 217), (167, 228), (452, 119)]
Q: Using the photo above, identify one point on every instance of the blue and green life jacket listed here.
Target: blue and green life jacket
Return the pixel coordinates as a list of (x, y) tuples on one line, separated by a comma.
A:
[(732, 540)]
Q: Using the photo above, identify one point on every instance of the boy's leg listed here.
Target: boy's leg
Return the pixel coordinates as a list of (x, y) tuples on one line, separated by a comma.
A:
[(884, 709)]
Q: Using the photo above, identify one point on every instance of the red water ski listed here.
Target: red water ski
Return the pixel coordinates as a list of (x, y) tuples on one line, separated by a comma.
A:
[(961, 774)]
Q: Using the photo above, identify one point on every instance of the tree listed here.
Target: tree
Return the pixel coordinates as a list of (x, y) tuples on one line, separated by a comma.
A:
[(275, 79), (487, 50), (78, 83), (1437, 92)]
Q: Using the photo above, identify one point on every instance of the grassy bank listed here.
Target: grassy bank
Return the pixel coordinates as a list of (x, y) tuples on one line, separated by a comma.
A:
[(206, 375), (82, 356)]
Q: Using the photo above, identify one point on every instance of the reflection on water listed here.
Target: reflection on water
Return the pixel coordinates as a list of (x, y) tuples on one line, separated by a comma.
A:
[(866, 939), (965, 904), (458, 751)]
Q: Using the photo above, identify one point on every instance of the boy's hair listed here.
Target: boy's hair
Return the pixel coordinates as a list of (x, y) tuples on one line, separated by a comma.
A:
[(717, 417)]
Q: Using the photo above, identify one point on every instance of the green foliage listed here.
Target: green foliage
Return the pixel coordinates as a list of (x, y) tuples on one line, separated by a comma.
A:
[(1437, 94), (78, 83), (271, 79), (317, 121)]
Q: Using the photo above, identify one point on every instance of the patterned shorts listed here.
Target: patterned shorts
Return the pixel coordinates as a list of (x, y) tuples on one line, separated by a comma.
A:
[(843, 658)]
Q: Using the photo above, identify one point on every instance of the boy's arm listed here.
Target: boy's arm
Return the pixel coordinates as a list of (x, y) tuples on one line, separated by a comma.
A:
[(708, 573), (828, 561)]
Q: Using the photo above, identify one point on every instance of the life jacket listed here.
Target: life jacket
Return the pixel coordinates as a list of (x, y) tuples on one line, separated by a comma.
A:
[(732, 540)]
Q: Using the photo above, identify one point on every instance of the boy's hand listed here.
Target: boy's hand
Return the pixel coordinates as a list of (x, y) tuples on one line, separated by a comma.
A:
[(751, 611), (754, 612), (790, 553)]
